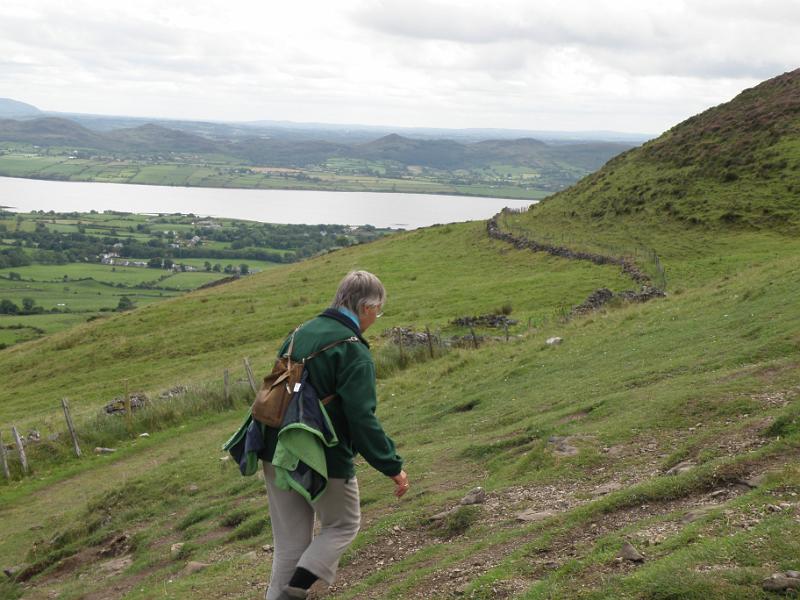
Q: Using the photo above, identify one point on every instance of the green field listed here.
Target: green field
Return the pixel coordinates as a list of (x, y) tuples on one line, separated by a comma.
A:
[(65, 274), (344, 175), (714, 353)]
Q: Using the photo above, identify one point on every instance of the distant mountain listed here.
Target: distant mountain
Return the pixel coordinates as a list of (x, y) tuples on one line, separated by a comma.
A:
[(50, 131), (563, 162), (13, 109), (150, 137), (737, 164), (438, 154)]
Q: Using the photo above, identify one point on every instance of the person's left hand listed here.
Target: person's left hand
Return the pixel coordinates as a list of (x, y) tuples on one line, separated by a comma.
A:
[(401, 483)]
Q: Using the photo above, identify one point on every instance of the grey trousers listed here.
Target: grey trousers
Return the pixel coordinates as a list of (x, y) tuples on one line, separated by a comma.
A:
[(292, 518)]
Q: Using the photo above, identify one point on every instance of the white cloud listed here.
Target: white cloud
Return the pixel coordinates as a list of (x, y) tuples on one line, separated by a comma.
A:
[(553, 64)]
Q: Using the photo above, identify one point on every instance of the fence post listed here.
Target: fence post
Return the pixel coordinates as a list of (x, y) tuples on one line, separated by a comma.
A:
[(128, 408), (250, 377), (430, 341), (226, 385), (21, 449), (4, 457), (505, 326), (71, 427)]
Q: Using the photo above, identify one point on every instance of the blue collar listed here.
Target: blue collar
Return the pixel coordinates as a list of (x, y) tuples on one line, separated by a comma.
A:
[(349, 313)]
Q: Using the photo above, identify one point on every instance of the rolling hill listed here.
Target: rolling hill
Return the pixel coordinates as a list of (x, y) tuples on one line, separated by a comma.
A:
[(671, 426), (734, 164), (157, 139), (14, 109)]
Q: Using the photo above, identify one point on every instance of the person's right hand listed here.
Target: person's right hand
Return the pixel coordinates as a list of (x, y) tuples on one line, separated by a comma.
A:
[(401, 483)]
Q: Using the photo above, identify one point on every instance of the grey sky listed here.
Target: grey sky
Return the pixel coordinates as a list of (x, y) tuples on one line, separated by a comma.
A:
[(626, 65)]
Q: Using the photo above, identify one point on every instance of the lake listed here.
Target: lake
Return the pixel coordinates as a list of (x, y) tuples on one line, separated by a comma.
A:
[(407, 211)]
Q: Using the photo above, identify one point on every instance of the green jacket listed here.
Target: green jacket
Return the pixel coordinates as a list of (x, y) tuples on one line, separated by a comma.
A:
[(348, 371)]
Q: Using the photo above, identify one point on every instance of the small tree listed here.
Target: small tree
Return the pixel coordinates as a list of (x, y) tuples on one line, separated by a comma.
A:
[(154, 263), (207, 266), (217, 268), (28, 305), (244, 269), (14, 276), (7, 307), (229, 268), (125, 303)]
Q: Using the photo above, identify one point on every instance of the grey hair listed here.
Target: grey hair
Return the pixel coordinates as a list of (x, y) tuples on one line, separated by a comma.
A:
[(358, 289)]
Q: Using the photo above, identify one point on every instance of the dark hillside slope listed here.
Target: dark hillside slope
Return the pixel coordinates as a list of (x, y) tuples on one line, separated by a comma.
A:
[(735, 164), (150, 137), (50, 131)]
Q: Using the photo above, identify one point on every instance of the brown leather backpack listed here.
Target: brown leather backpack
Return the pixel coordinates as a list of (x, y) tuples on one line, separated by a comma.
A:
[(284, 380)]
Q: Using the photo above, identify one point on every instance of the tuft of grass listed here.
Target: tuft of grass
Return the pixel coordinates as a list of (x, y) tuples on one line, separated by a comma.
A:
[(460, 520), (249, 528), (391, 359), (197, 515), (236, 517)]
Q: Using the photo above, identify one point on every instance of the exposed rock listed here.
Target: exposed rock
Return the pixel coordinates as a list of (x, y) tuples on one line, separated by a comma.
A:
[(647, 293), (780, 582), (681, 467), (408, 337), (751, 482), (33, 436), (562, 446), (117, 405), (12, 572), (773, 508), (267, 548), (194, 566), (475, 496), (442, 515), (793, 574), (697, 513), (553, 341), (175, 549), (116, 565), (531, 515), (193, 488), (595, 300), (491, 320), (607, 488), (118, 545), (178, 390), (252, 555), (144, 435), (100, 450), (628, 552)]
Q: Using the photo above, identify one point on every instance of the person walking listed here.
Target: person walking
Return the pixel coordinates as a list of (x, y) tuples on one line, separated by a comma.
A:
[(348, 371)]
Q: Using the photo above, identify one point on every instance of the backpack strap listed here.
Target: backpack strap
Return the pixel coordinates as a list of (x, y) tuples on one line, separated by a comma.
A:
[(329, 346), (288, 354)]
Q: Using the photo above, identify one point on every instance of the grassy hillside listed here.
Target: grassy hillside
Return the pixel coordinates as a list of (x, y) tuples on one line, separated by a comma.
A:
[(734, 164), (585, 430), (672, 425), (433, 276)]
